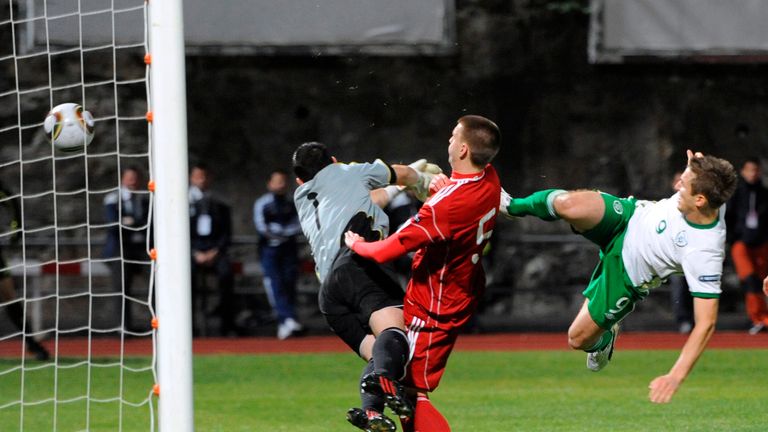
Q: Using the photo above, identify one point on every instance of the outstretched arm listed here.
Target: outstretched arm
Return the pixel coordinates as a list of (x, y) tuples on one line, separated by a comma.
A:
[(383, 196), (416, 176), (379, 251), (705, 314), (425, 228)]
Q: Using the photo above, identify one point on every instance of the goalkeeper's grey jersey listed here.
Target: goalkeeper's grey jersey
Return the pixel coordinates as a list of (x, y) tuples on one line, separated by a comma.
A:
[(328, 202)]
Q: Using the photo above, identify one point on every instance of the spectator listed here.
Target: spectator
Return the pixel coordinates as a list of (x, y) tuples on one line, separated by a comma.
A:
[(747, 219), (211, 231), (277, 223), (127, 239)]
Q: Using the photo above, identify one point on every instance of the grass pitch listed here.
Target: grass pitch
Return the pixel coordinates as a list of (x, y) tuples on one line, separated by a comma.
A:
[(491, 391), (481, 391)]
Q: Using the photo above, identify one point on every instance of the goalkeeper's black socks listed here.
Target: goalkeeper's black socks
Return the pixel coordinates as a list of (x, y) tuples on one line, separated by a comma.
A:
[(370, 401), (390, 356), (390, 353)]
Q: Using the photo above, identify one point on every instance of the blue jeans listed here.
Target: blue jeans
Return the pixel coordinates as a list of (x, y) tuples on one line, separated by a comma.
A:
[(280, 266)]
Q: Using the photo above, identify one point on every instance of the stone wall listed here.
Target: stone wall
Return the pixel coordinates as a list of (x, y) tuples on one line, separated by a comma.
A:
[(523, 63), (621, 128), (566, 123)]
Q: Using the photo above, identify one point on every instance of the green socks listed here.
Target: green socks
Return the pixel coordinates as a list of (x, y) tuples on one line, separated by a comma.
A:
[(539, 204), (605, 339)]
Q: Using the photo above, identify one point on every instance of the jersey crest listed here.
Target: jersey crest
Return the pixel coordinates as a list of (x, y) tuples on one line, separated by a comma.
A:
[(681, 239), (617, 207)]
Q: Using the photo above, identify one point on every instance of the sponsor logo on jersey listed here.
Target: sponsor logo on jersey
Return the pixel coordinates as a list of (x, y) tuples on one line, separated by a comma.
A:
[(661, 226), (709, 278), (617, 207), (681, 239)]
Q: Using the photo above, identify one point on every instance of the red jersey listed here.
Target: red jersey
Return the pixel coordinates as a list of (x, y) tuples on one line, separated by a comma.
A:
[(450, 232)]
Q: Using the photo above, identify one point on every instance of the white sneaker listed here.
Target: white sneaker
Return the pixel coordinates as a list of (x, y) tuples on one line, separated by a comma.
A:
[(685, 327), (288, 328), (757, 328), (599, 359)]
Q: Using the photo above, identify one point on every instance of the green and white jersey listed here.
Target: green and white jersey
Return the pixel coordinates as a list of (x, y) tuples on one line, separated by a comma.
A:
[(328, 202), (660, 242)]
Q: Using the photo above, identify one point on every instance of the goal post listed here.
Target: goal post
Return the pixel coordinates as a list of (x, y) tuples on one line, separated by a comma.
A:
[(95, 314), (173, 292)]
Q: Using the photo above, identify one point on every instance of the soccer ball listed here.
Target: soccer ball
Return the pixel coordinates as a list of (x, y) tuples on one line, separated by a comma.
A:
[(69, 127)]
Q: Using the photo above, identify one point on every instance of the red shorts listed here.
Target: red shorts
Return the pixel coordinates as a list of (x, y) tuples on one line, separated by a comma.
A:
[(431, 343)]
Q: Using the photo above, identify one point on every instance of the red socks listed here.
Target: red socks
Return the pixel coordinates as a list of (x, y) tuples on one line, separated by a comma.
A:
[(426, 418)]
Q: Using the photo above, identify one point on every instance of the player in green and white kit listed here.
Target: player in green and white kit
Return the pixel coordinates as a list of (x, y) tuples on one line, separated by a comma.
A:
[(641, 244)]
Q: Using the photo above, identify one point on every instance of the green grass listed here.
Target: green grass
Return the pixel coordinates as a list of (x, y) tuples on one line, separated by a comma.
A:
[(42, 384), (528, 391)]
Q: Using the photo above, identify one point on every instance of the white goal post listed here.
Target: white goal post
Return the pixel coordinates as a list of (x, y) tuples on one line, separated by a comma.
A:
[(173, 292), (86, 294)]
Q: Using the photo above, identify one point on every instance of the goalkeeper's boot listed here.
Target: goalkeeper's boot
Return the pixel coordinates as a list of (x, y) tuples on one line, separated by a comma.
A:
[(394, 393), (599, 359), (370, 420)]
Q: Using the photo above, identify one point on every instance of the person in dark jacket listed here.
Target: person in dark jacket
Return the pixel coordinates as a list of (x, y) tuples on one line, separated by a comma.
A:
[(127, 209), (210, 237), (277, 223), (747, 219)]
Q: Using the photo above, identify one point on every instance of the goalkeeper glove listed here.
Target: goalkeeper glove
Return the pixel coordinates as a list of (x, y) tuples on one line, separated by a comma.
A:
[(432, 168), (426, 171)]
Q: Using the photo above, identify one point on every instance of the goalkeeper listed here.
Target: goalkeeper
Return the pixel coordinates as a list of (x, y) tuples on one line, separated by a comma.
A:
[(360, 300)]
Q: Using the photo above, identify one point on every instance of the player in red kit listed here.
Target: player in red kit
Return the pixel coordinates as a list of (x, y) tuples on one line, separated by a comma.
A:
[(447, 281)]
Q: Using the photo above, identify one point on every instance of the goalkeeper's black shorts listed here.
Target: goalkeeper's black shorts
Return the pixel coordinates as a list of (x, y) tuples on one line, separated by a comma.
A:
[(354, 289)]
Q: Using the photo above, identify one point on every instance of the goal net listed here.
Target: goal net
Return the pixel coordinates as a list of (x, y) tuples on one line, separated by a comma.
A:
[(78, 324)]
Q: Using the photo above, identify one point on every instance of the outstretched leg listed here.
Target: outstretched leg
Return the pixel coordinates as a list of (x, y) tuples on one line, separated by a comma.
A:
[(582, 209)]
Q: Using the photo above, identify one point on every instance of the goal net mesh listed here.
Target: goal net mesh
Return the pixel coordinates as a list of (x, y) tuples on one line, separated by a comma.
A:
[(76, 278)]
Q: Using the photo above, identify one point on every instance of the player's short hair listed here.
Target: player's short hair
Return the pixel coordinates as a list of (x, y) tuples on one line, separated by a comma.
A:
[(716, 179), (482, 136), (309, 159)]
